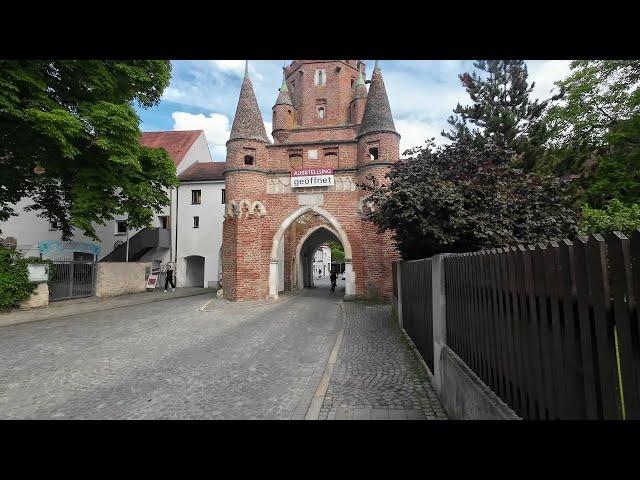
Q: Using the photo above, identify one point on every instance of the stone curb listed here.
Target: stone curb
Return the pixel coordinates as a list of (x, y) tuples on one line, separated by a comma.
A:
[(313, 412)]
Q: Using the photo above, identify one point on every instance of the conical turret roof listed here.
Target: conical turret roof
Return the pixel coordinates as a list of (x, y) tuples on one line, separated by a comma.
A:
[(377, 112), (360, 89), (247, 122), (284, 98)]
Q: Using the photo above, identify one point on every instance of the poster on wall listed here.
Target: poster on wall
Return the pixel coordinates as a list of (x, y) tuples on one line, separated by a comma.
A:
[(312, 177)]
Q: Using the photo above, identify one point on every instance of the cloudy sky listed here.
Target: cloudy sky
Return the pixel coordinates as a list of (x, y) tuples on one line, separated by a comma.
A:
[(203, 95)]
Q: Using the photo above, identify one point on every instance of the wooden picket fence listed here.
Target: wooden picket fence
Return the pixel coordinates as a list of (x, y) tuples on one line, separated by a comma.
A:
[(553, 329), (416, 306)]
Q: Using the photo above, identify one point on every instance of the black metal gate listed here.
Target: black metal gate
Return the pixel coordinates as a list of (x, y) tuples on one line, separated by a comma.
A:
[(72, 279)]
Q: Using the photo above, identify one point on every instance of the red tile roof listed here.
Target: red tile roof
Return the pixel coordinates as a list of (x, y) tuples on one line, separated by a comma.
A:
[(202, 171), (177, 143)]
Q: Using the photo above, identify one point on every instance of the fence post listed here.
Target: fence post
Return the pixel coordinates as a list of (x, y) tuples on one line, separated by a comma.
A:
[(439, 316), (399, 284)]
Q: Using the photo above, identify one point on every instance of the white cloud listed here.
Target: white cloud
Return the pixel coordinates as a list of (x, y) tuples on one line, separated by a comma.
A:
[(237, 67), (415, 132), (544, 73), (216, 128)]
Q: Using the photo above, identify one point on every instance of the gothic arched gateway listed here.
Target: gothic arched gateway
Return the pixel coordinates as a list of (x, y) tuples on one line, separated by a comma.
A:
[(283, 197)]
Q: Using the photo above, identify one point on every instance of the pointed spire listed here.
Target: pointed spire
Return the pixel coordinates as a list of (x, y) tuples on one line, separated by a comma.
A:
[(360, 76), (360, 88), (377, 112), (284, 98), (247, 122)]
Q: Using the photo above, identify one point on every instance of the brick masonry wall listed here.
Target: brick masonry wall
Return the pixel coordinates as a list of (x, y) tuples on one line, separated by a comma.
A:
[(248, 239), (119, 278)]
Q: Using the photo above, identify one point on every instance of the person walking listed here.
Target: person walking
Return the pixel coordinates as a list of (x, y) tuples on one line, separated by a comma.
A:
[(333, 278), (169, 278)]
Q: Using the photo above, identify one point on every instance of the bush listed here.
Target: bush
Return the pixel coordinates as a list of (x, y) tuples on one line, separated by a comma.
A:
[(15, 286), (616, 216)]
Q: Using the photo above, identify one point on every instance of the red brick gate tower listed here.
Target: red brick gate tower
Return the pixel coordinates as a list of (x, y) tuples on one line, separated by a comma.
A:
[(323, 118)]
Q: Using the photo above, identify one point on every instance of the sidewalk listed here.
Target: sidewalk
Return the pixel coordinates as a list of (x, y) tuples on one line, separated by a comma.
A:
[(375, 374), (77, 306)]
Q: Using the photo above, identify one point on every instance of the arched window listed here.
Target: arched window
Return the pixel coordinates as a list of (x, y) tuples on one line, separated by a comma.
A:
[(321, 77)]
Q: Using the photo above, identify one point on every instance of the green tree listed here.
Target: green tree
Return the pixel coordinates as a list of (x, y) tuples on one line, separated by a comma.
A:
[(464, 197), (337, 252), (501, 110), (614, 217), (596, 131), (69, 140)]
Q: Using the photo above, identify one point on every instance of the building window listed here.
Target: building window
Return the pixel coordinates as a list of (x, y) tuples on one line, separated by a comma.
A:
[(249, 156), (321, 77), (373, 153), (121, 227), (353, 82), (196, 197), (248, 160), (321, 108), (196, 222), (224, 198), (293, 85)]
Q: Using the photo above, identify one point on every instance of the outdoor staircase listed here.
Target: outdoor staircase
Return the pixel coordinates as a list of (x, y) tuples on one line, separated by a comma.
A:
[(139, 244)]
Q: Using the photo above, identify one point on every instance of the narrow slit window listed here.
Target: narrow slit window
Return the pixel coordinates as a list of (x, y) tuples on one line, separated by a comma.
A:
[(224, 198), (196, 222)]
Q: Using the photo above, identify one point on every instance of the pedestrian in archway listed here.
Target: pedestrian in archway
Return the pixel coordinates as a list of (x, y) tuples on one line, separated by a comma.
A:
[(169, 278), (333, 278)]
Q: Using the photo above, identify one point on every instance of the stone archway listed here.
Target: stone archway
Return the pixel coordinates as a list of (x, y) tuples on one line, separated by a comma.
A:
[(338, 231), (300, 266)]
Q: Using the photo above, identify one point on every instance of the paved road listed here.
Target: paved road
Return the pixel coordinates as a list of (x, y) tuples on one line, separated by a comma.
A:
[(166, 360)]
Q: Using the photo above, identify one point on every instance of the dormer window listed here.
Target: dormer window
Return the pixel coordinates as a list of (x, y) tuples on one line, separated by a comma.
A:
[(321, 77)]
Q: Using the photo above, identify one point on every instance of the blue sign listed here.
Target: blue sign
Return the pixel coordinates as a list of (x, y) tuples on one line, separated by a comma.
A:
[(47, 246)]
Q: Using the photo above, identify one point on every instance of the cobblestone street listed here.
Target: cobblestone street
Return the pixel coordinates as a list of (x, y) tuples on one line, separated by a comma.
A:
[(168, 360), (376, 376)]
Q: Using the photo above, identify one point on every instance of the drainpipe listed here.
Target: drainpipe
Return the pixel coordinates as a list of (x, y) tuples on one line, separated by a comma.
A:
[(127, 240), (175, 273)]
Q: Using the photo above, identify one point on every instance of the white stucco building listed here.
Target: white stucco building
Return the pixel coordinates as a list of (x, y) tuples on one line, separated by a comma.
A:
[(200, 213), (162, 241), (322, 262)]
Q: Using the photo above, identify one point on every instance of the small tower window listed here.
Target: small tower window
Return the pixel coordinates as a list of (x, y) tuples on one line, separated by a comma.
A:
[(321, 108), (353, 82), (373, 153), (249, 156), (248, 159), (293, 85), (321, 77)]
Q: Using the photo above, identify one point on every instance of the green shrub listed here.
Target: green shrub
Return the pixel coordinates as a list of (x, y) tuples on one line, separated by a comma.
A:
[(616, 216), (15, 286)]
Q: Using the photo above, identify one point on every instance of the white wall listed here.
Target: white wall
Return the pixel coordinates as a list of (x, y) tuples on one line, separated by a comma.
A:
[(29, 229), (204, 241)]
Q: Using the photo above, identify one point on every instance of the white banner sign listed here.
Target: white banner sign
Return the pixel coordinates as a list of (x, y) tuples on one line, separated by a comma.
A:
[(312, 177)]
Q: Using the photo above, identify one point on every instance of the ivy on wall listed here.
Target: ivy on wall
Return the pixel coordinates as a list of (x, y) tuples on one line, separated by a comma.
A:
[(15, 286)]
